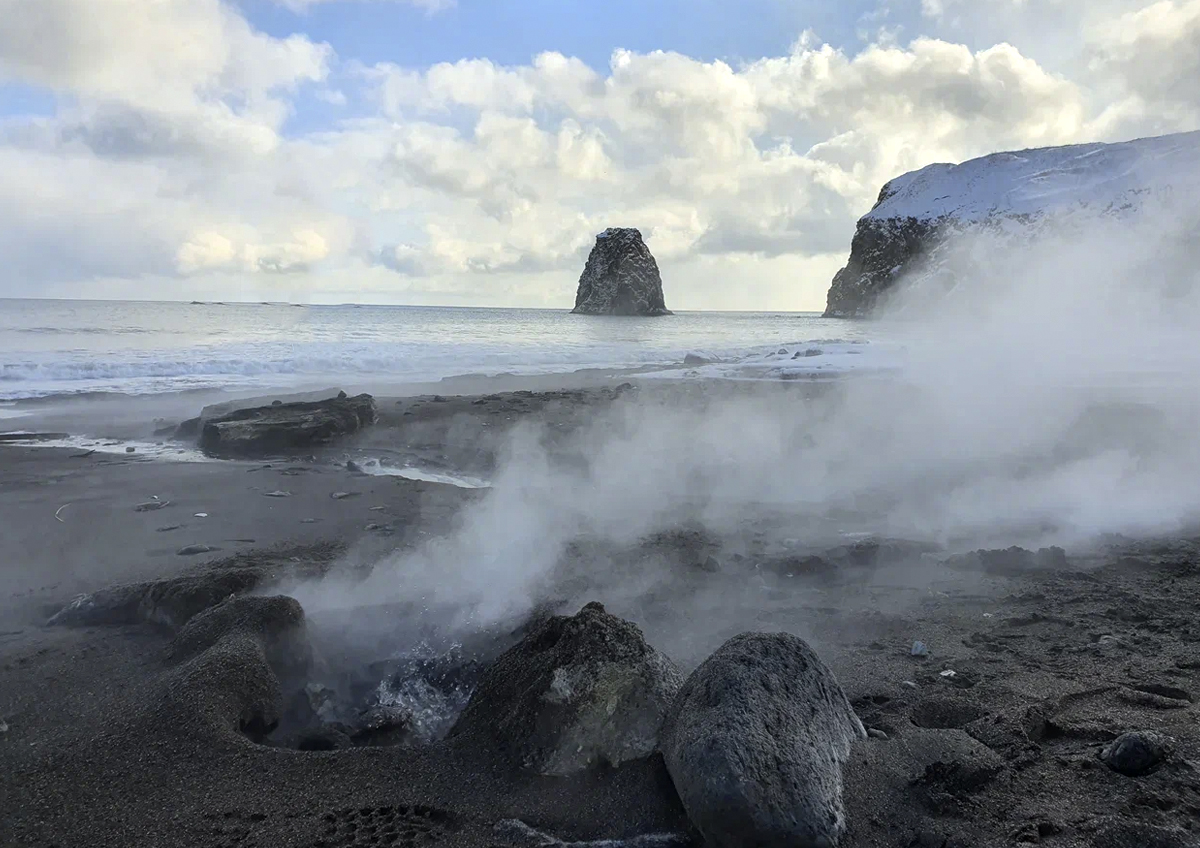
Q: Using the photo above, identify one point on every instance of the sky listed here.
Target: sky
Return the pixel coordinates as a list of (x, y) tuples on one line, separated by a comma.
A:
[(466, 152)]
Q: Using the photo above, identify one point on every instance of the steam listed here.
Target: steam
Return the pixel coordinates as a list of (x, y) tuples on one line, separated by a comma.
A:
[(1049, 397)]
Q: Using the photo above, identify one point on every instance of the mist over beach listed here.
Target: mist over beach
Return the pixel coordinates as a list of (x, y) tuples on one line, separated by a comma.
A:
[(639, 426)]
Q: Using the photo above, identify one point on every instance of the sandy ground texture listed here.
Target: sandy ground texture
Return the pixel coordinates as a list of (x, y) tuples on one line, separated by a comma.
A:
[(145, 725)]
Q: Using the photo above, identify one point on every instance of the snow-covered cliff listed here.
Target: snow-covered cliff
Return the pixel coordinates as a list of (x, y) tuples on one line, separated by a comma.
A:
[(1017, 195)]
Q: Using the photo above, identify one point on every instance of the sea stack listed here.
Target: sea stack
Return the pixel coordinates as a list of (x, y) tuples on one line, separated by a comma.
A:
[(620, 278)]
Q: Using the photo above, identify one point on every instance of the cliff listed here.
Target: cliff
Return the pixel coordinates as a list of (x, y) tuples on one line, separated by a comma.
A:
[(1018, 195)]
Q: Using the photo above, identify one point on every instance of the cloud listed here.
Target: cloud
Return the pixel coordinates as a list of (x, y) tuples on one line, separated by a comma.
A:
[(213, 251), (173, 152), (430, 6)]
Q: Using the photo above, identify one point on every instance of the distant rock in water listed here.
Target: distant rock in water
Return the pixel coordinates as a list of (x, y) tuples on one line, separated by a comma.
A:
[(1015, 197), (620, 278)]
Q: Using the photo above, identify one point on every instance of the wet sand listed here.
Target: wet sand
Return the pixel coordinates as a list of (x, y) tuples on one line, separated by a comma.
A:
[(107, 743)]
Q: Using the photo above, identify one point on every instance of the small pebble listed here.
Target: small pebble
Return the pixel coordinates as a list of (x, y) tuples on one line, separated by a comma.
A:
[(919, 649), (308, 521), (201, 515), (3, 726), (130, 450), (337, 496), (192, 550), (908, 684), (277, 494), (948, 673), (876, 733)]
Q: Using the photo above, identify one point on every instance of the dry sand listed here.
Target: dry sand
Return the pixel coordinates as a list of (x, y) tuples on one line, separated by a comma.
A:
[(108, 742)]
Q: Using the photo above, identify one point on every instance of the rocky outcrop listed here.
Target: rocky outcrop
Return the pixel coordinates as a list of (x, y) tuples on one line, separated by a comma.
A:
[(575, 692), (620, 278), (755, 745), (1016, 198), (282, 427)]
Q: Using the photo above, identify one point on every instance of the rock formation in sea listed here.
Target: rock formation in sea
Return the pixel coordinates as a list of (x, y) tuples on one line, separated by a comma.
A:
[(620, 278), (1015, 196)]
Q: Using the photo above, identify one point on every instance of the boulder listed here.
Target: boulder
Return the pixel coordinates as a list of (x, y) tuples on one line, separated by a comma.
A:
[(575, 692), (620, 278), (266, 430), (755, 745)]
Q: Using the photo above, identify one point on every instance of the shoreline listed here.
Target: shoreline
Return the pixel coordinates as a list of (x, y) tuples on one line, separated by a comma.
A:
[(1052, 656)]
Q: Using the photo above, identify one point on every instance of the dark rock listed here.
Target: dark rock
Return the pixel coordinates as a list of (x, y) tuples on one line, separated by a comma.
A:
[(265, 430), (910, 237), (276, 403), (696, 359), (1136, 753), (620, 278), (1012, 562), (881, 252), (755, 745), (575, 692)]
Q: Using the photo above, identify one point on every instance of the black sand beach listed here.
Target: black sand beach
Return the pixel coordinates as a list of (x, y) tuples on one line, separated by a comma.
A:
[(121, 732)]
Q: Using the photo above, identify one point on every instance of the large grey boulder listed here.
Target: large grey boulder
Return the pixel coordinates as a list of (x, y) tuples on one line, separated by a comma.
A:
[(575, 692), (755, 745), (267, 430), (620, 278)]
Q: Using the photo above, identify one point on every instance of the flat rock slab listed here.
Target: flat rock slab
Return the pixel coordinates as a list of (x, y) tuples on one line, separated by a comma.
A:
[(279, 428)]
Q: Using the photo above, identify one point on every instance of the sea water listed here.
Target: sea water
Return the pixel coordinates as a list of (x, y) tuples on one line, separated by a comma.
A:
[(52, 347)]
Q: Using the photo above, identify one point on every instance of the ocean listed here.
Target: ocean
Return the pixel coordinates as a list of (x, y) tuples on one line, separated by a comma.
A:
[(56, 347)]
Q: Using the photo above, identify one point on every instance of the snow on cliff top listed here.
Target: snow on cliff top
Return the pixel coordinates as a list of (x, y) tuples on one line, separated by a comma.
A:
[(1050, 178)]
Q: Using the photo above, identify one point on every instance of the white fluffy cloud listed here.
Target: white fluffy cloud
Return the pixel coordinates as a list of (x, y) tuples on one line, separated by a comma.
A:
[(430, 6), (168, 156)]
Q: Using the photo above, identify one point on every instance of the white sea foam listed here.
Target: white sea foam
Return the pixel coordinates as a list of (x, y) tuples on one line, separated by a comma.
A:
[(378, 469), (146, 450)]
